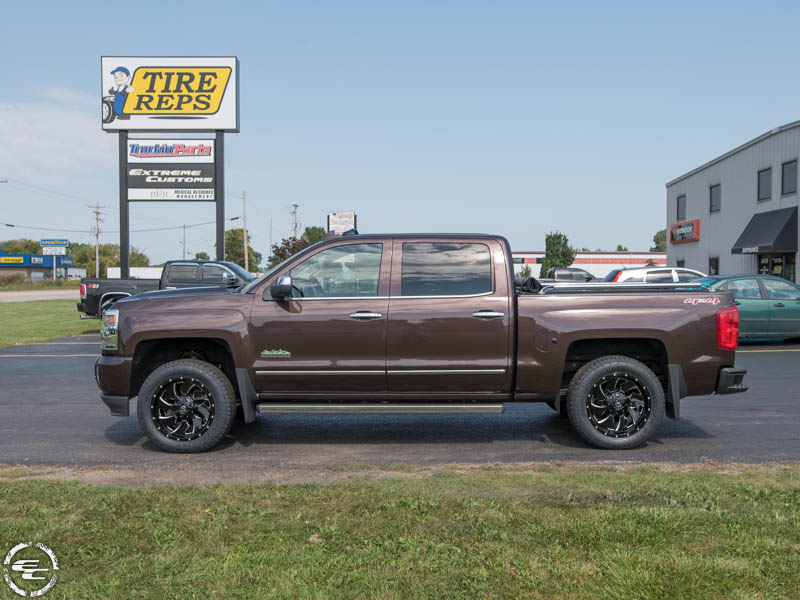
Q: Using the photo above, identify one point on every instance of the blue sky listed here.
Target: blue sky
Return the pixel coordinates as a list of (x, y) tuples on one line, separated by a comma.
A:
[(515, 118)]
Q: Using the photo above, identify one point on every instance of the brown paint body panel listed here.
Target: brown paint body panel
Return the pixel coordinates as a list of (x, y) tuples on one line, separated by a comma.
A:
[(421, 348)]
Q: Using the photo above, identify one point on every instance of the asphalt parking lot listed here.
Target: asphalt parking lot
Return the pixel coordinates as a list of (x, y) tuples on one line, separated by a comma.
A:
[(51, 414)]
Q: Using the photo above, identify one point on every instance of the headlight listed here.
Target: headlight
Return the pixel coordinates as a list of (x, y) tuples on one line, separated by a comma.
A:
[(108, 332)]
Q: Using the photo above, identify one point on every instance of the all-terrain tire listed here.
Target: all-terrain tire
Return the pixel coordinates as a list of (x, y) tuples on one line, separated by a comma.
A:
[(208, 376), (597, 372)]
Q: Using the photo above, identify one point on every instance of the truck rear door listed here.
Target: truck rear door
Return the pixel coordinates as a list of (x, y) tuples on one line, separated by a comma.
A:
[(450, 317)]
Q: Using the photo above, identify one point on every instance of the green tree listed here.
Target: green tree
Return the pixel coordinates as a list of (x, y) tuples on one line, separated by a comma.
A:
[(234, 252), (659, 241), (525, 271), (313, 234), (201, 256), (557, 252), (621, 248), (286, 248), (21, 246)]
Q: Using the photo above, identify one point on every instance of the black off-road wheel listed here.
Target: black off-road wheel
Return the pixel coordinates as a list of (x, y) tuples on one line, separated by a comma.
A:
[(615, 402), (186, 406)]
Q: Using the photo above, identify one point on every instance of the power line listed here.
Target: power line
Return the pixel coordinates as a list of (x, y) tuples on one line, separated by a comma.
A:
[(110, 231)]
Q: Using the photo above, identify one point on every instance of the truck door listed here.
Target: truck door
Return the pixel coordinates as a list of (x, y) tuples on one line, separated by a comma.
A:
[(449, 317), (330, 336)]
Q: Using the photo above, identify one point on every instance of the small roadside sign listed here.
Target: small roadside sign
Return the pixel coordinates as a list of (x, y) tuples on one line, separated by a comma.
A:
[(54, 250), (53, 242)]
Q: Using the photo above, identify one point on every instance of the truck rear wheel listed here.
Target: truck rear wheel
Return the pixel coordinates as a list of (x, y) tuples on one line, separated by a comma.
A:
[(615, 402), (186, 406)]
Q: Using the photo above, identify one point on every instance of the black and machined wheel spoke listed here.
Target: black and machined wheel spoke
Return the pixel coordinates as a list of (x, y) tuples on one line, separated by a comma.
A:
[(182, 409), (618, 405)]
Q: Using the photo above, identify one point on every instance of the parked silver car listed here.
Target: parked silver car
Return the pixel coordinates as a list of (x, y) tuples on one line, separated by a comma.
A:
[(653, 275)]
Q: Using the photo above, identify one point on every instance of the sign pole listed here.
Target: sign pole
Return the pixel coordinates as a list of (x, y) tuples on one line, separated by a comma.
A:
[(54, 267), (219, 192), (124, 222)]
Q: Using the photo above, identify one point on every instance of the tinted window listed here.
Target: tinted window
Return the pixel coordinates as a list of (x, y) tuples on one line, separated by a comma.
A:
[(213, 274), (681, 208), (713, 266), (611, 275), (744, 288), (715, 198), (182, 274), (446, 269), (781, 290), (659, 277), (632, 279), (765, 184), (352, 270), (684, 276), (789, 179)]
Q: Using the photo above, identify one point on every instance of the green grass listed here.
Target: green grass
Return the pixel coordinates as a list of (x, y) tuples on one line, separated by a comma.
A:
[(551, 532), (28, 322)]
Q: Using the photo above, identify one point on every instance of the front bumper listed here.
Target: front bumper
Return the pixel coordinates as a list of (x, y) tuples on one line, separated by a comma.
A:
[(113, 377), (730, 381)]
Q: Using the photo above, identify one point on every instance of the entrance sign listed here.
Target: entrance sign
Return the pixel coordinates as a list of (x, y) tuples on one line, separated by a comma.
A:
[(146, 93)]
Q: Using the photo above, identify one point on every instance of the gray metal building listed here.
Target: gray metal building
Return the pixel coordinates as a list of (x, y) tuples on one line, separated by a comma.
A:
[(738, 212)]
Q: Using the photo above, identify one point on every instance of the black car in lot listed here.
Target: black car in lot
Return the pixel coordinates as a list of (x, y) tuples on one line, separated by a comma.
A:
[(176, 274)]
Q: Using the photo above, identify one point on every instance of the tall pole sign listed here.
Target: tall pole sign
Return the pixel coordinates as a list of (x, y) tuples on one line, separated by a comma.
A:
[(170, 94)]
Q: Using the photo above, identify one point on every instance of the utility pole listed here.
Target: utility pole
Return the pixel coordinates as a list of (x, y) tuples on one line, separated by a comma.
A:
[(295, 224), (244, 232), (184, 241), (97, 220)]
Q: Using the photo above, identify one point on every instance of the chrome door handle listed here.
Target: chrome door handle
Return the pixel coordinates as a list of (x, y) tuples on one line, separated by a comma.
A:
[(364, 315), (488, 314)]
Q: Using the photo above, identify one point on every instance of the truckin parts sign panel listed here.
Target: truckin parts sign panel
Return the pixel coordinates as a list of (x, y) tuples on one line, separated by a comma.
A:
[(145, 93), (191, 182)]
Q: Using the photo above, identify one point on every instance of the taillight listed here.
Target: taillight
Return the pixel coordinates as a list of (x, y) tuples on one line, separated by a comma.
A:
[(83, 289), (728, 328)]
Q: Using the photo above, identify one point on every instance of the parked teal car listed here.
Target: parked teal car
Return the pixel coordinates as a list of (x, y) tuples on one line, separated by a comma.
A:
[(769, 307)]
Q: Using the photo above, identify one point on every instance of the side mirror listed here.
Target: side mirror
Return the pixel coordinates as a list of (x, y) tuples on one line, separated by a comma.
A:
[(282, 289), (229, 279)]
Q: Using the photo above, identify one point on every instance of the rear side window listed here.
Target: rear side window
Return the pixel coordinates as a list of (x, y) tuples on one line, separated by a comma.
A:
[(685, 276), (445, 269), (659, 277), (182, 274), (781, 290)]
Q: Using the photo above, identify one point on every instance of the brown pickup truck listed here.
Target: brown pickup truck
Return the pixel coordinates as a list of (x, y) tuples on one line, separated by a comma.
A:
[(414, 323)]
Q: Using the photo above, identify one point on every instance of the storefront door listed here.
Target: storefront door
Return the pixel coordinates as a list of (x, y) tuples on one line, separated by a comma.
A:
[(780, 265)]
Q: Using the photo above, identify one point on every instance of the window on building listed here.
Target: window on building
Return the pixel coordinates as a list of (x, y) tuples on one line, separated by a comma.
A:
[(713, 265), (764, 184), (680, 263), (681, 208), (445, 269), (517, 260), (789, 178), (715, 198)]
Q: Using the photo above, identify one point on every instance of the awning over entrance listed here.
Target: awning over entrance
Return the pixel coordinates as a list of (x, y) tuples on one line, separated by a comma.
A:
[(770, 232)]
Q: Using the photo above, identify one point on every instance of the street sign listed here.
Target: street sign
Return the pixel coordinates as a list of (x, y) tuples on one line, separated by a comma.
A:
[(54, 250), (339, 222), (53, 242)]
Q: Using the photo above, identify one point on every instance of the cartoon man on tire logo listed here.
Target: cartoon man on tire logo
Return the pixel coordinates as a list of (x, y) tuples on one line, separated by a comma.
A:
[(114, 103)]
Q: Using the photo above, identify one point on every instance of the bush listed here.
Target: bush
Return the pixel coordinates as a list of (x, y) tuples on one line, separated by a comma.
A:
[(13, 280)]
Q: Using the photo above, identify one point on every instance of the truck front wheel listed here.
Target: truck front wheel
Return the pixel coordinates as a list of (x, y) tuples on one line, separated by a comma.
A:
[(615, 402), (186, 406)]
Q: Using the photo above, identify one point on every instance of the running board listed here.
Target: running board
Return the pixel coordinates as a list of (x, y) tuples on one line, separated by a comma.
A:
[(396, 407)]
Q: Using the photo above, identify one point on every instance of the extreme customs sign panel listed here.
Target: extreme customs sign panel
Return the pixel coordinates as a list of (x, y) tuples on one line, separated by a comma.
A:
[(159, 182), (141, 93)]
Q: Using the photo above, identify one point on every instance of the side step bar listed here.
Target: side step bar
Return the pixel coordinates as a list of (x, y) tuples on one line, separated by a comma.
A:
[(383, 407)]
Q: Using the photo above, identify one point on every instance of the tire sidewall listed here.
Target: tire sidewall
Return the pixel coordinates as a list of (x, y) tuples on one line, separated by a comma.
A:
[(581, 386), (208, 375)]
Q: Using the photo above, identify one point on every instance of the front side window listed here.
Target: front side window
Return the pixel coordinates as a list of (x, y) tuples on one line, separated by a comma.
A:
[(781, 290), (341, 271), (681, 208), (764, 184), (715, 198), (713, 266), (445, 269), (744, 288), (213, 274), (789, 178)]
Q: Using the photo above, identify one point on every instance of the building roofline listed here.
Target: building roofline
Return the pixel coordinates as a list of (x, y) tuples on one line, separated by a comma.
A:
[(736, 150)]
